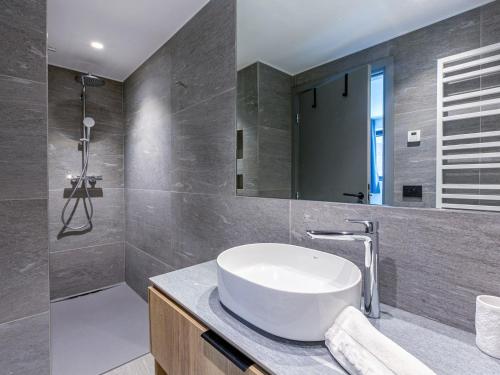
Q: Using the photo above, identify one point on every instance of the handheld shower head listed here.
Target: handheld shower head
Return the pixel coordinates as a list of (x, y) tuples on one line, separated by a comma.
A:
[(89, 122)]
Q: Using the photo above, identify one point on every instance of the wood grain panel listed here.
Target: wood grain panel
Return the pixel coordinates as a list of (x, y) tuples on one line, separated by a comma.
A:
[(177, 346), (159, 370)]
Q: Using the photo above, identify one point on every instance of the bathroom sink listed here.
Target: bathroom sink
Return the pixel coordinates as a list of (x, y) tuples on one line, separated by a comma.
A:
[(289, 291)]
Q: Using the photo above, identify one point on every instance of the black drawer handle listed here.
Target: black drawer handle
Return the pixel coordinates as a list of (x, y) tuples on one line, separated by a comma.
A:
[(227, 350)]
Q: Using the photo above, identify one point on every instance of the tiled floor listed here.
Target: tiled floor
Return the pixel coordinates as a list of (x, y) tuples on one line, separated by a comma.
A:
[(96, 333), (141, 366)]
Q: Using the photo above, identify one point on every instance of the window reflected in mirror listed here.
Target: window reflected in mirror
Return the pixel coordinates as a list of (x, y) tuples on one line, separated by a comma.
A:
[(351, 109)]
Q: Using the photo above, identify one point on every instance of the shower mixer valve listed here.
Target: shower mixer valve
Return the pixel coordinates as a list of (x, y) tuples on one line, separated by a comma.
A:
[(92, 180), (80, 182)]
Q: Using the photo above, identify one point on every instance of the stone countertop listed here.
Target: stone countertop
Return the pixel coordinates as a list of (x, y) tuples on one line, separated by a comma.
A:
[(445, 349)]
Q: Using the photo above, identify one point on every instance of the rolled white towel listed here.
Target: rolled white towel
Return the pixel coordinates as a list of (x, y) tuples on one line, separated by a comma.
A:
[(362, 350)]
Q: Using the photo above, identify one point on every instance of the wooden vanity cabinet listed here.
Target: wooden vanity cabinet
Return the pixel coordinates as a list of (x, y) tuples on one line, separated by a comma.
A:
[(178, 346)]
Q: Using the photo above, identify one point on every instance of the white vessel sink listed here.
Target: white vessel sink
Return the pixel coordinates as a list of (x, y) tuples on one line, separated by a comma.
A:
[(289, 291)]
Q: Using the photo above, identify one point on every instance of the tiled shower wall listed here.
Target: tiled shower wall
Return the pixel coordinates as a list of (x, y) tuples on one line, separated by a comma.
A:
[(264, 97), (24, 277), (82, 261), (181, 207)]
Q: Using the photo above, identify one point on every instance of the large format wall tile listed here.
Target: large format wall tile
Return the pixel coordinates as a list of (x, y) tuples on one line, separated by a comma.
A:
[(204, 55), (108, 220), (23, 129), (426, 256), (179, 212), (152, 222), (110, 167), (78, 254), (182, 229), (247, 98), (327, 216), (275, 98), (31, 13), (24, 269), (81, 270), (490, 23), (139, 267), (150, 82), (23, 42), (108, 205), (148, 147), (264, 102), (23, 139), (23, 259), (25, 346), (103, 232), (205, 146), (104, 104), (212, 224), (461, 250)]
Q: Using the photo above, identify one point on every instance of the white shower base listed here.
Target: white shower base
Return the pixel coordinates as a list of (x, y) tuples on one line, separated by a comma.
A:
[(95, 333)]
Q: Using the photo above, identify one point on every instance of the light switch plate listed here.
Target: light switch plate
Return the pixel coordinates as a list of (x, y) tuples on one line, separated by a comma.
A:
[(413, 136)]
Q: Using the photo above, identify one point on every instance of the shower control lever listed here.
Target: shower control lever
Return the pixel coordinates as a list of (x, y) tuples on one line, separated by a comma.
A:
[(92, 180)]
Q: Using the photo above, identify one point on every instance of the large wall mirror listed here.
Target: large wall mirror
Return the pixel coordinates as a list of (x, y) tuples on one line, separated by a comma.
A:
[(391, 102)]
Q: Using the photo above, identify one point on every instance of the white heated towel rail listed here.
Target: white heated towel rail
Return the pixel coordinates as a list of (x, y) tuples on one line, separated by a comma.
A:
[(466, 151)]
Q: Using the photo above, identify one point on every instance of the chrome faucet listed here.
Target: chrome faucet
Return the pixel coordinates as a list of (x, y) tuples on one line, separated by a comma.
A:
[(370, 275)]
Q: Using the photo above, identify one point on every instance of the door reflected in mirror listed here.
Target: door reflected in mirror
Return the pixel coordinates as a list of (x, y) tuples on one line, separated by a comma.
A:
[(344, 107)]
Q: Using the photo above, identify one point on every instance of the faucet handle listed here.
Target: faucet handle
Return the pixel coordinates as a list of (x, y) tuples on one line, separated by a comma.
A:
[(370, 226)]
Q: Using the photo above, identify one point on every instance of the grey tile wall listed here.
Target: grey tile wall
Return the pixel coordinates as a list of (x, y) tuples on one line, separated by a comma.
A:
[(182, 229), (433, 262), (247, 122), (108, 221), (99, 251), (23, 138), (264, 114), (24, 43), (24, 291), (139, 267), (25, 346), (208, 122), (205, 68), (23, 258), (78, 271), (415, 72)]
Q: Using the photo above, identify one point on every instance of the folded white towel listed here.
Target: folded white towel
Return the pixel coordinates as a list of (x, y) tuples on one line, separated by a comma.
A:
[(362, 350)]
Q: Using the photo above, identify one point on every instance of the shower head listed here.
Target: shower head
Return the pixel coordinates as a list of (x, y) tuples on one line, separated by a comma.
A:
[(90, 80), (88, 122)]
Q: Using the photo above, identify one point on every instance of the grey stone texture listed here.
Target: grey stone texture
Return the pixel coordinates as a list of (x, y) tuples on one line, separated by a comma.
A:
[(181, 208), (444, 349), (264, 115), (24, 255), (84, 267)]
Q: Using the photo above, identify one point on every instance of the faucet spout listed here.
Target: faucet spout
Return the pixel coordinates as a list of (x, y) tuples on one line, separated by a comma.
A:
[(369, 237)]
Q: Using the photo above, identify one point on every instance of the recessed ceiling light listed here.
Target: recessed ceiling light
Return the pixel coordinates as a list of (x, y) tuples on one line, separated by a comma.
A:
[(97, 45)]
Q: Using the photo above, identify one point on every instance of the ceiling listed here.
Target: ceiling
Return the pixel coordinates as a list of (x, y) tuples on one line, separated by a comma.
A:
[(296, 35), (291, 35), (130, 30)]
